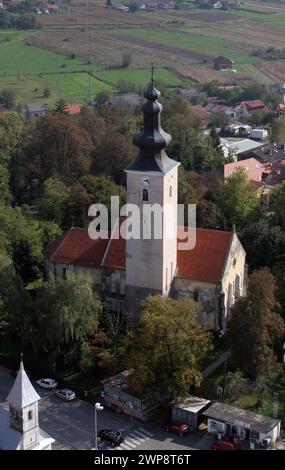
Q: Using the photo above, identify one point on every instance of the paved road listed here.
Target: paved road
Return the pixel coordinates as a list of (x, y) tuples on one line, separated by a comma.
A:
[(72, 425)]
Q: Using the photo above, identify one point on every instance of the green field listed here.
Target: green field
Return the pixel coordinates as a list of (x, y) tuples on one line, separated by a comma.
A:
[(137, 76), (194, 42), (29, 70)]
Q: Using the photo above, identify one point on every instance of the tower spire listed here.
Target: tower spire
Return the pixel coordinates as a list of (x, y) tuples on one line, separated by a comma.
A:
[(152, 140)]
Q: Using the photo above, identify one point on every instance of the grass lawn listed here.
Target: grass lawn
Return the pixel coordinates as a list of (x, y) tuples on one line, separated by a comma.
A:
[(137, 76), (29, 70)]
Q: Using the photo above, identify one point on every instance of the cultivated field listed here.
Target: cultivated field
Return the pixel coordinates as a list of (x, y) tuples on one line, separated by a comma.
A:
[(181, 44)]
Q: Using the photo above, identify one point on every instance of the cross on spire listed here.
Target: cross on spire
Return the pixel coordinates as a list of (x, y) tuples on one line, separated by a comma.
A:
[(152, 73)]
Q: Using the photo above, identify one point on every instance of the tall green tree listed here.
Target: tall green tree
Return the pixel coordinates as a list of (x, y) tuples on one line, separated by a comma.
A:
[(255, 326), (237, 199), (166, 349), (277, 205), (23, 240), (264, 244), (66, 312), (56, 147), (278, 130)]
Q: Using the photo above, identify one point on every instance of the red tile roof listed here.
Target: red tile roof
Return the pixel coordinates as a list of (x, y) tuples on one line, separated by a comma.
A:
[(77, 248), (73, 109), (253, 168), (200, 112), (281, 108), (253, 105), (204, 263)]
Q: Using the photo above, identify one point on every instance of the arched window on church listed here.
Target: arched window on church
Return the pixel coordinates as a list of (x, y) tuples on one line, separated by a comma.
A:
[(145, 195), (170, 191)]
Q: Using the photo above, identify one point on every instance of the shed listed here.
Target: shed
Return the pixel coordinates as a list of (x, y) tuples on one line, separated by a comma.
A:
[(189, 410), (229, 420)]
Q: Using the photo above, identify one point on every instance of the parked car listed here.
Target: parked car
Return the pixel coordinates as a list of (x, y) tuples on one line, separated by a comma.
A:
[(224, 445), (65, 394), (49, 384), (115, 438), (178, 428)]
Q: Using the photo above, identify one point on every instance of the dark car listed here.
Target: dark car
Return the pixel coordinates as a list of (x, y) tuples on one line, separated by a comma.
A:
[(178, 428), (115, 438), (225, 446)]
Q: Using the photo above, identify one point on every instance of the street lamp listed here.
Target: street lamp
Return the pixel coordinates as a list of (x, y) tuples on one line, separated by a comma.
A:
[(98, 407)]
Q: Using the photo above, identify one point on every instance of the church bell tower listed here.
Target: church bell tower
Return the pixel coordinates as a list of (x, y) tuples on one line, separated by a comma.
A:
[(151, 180)]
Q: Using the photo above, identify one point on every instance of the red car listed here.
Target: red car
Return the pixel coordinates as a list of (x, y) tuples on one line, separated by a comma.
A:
[(178, 428), (225, 445)]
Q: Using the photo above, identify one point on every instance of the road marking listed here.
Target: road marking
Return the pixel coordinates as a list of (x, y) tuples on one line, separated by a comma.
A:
[(146, 432), (129, 443), (124, 446), (141, 434), (137, 438)]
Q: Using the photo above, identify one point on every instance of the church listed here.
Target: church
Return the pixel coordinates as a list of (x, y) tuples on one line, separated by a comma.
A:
[(126, 270), (19, 425)]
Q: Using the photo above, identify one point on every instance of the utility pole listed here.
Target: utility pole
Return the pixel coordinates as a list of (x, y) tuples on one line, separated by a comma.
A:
[(97, 407)]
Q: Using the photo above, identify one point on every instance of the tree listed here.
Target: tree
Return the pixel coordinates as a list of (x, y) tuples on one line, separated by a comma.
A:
[(23, 241), (255, 326), (278, 130), (8, 97), (5, 195), (236, 199), (101, 190), (107, 164), (53, 204), (56, 147), (60, 106), (277, 205), (47, 92), (166, 349), (134, 7), (78, 204), (236, 385), (66, 312), (219, 119), (126, 60), (15, 302), (103, 97), (264, 244)]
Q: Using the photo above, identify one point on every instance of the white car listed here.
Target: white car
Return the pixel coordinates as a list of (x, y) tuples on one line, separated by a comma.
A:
[(65, 394), (49, 384)]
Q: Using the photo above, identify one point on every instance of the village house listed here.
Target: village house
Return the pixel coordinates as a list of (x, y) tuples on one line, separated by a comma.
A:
[(36, 110), (263, 176), (126, 270), (236, 129), (245, 108), (201, 114)]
